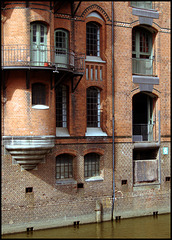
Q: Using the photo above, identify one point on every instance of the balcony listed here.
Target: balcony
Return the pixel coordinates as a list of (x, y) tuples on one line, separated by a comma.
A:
[(142, 66), (28, 151), (42, 57)]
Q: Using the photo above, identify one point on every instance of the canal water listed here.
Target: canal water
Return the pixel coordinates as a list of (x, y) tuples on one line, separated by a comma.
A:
[(141, 227)]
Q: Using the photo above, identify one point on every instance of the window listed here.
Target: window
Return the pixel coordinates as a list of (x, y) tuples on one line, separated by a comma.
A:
[(143, 124), (64, 166), (141, 43), (142, 51), (61, 106), (38, 94), (91, 165), (142, 4), (61, 48), (38, 42), (93, 39), (93, 107)]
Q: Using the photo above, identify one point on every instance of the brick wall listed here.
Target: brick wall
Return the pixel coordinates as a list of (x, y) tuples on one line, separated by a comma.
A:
[(62, 204)]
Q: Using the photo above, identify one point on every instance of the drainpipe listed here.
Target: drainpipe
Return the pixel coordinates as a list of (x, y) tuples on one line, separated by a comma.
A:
[(159, 141), (113, 121)]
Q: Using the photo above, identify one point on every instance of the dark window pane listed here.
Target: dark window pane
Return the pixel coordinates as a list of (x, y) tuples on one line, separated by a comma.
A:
[(92, 39), (38, 94)]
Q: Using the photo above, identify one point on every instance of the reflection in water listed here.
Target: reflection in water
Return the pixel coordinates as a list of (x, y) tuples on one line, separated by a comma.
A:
[(140, 227)]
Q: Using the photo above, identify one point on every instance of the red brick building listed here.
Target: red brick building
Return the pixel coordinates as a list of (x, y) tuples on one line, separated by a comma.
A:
[(85, 94)]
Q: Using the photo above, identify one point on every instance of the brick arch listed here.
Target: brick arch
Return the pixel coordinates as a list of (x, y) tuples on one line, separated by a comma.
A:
[(137, 90), (67, 151), (137, 24), (94, 150), (96, 86), (94, 7), (41, 20)]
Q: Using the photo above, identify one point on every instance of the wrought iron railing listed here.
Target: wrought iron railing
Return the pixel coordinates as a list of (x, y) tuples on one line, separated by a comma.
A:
[(142, 66), (42, 55), (143, 132)]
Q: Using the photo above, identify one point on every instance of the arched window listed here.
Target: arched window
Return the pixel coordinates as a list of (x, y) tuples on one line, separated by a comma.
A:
[(61, 47), (91, 165), (142, 51), (92, 39), (38, 94), (143, 124), (64, 166), (93, 107)]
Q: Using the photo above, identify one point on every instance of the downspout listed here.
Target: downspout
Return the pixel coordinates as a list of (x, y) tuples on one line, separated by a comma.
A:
[(159, 141), (113, 121)]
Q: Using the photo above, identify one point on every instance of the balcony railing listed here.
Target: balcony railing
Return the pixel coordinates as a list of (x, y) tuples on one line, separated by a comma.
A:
[(41, 56), (143, 132), (142, 66)]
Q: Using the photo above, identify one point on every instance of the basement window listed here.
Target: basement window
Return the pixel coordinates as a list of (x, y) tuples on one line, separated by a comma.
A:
[(91, 165), (64, 166)]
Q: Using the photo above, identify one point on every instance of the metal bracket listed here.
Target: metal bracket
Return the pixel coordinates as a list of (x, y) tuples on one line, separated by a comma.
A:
[(72, 82)]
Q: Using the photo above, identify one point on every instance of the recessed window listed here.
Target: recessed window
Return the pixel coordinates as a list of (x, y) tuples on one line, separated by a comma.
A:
[(93, 39), (142, 59), (64, 166), (91, 165), (61, 106), (93, 107), (38, 94)]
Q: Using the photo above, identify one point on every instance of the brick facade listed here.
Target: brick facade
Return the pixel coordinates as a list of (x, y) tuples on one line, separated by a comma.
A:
[(27, 130)]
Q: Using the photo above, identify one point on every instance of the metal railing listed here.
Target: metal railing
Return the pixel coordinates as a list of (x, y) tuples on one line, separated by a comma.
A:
[(42, 55), (143, 132), (142, 66)]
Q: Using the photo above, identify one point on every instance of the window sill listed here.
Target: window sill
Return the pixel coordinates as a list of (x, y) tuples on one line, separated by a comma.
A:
[(39, 106), (91, 131), (65, 181), (62, 132), (93, 179), (94, 59)]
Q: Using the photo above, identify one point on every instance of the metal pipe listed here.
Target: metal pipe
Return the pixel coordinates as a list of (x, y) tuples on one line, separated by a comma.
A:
[(113, 121), (159, 141)]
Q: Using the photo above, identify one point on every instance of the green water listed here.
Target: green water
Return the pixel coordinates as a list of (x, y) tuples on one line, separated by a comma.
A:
[(141, 227)]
